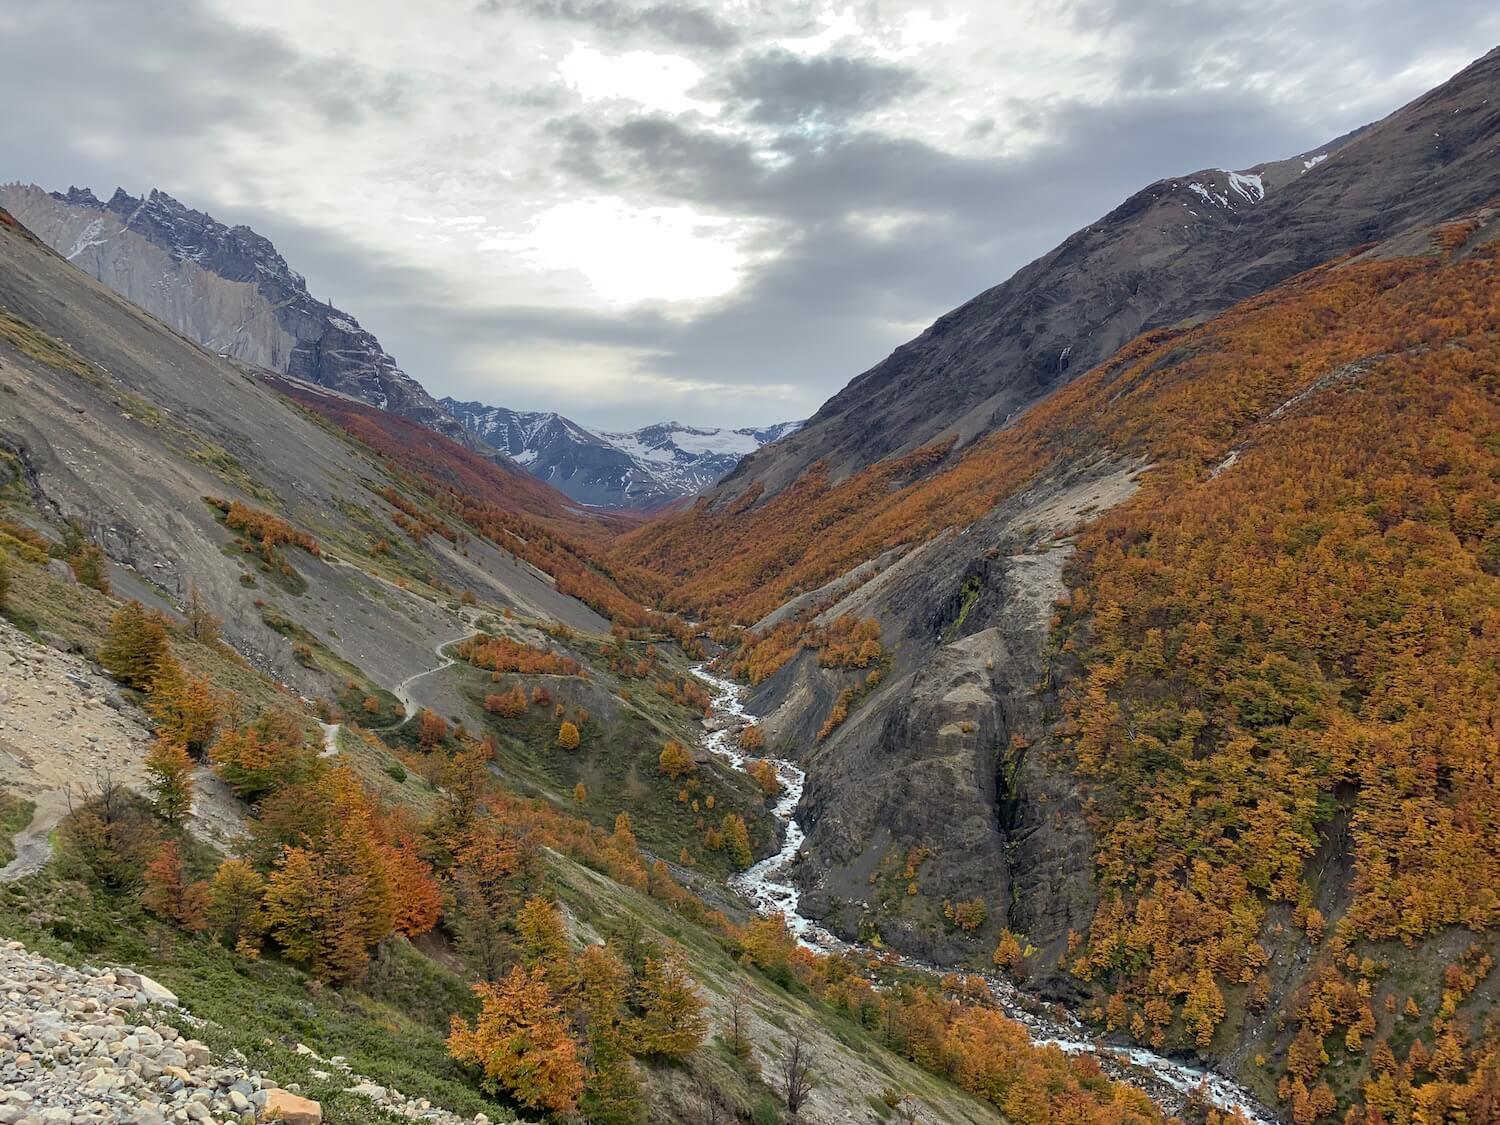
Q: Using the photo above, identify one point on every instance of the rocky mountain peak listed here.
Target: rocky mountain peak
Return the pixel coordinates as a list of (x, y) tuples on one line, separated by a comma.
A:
[(642, 468), (225, 286)]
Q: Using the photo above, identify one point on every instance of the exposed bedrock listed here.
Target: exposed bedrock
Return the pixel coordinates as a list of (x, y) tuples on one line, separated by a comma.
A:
[(943, 786)]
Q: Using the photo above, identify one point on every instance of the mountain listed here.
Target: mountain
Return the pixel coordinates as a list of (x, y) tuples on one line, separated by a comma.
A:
[(1146, 692), (226, 287), (140, 425), (1132, 616), (687, 460), (1180, 249), (642, 468), (229, 289), (249, 655)]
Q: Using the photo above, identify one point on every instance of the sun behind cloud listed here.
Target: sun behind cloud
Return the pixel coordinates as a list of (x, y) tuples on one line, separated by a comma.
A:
[(631, 254)]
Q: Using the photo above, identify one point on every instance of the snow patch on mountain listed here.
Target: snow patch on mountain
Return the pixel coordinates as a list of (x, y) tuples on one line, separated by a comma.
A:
[(1248, 184), (632, 469)]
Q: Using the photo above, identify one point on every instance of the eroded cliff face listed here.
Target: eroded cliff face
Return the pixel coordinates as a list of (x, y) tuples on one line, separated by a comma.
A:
[(226, 288), (943, 787)]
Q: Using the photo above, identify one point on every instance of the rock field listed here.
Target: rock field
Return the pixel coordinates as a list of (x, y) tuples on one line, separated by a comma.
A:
[(89, 1046)]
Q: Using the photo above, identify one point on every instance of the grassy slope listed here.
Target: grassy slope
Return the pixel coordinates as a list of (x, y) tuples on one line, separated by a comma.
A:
[(15, 814), (391, 1026)]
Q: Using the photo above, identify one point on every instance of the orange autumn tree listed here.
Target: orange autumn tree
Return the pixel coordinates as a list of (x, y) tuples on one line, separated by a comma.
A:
[(493, 870), (501, 654), (432, 728), (328, 904), (993, 1057), (737, 840), (763, 773), (234, 906), (417, 896), (542, 938), (520, 1042), (670, 1023), (676, 761), (184, 707), (135, 646), (611, 1093), (568, 737), (507, 704), (167, 893), (270, 753)]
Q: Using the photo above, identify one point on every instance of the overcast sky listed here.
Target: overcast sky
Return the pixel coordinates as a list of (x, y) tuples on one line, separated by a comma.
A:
[(634, 210)]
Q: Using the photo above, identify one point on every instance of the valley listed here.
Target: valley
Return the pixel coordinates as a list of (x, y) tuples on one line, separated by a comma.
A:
[(770, 885), (1087, 717)]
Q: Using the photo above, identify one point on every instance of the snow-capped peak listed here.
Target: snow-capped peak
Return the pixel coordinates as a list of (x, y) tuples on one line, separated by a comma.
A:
[(635, 468)]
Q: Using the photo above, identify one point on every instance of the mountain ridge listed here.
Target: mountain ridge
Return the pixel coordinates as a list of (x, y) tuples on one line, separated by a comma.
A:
[(644, 469), (1167, 253), (230, 289), (227, 287)]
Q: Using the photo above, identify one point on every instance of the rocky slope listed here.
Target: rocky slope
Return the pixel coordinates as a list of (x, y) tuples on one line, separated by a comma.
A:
[(44, 691), (116, 422), (642, 468), (70, 1054), (1023, 750), (226, 287), (1181, 248), (87, 1045)]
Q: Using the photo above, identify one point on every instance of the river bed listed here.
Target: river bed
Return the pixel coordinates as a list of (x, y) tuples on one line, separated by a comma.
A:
[(769, 886)]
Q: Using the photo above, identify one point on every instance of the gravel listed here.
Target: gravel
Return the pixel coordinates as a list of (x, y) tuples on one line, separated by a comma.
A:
[(82, 1047), (87, 1046)]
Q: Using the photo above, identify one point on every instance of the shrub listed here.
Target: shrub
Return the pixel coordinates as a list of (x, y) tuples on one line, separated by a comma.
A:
[(270, 753), (169, 776), (675, 761), (135, 646), (520, 1042)]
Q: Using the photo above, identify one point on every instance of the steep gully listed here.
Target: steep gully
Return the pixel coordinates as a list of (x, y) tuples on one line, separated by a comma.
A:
[(768, 885)]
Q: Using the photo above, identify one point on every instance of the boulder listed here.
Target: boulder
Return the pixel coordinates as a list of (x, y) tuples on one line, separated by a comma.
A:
[(290, 1109), (153, 992)]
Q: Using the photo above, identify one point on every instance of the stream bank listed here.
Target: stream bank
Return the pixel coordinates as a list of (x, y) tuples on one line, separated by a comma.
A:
[(768, 885)]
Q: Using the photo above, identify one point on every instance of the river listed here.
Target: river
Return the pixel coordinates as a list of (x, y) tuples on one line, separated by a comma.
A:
[(768, 885)]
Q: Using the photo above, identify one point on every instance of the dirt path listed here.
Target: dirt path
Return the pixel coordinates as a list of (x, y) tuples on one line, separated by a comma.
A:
[(402, 691), (33, 846)]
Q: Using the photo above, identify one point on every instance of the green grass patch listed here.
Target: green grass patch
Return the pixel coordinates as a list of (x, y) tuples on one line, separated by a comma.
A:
[(15, 814)]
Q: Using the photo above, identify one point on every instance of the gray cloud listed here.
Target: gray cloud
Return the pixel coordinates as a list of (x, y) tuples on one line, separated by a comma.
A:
[(688, 25), (125, 100), (781, 88), (865, 228)]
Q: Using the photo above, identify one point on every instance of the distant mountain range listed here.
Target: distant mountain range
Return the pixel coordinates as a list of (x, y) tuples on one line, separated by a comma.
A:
[(229, 289), (642, 468)]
